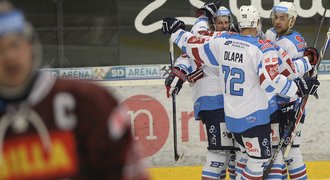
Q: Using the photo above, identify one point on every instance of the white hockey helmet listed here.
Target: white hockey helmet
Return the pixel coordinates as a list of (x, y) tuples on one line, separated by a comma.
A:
[(249, 17), (286, 7)]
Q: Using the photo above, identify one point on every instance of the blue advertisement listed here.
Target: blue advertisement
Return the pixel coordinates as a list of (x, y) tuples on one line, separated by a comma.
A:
[(324, 67), (116, 72)]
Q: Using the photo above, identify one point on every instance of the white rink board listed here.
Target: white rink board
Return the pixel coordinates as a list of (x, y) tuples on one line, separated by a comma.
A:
[(159, 144)]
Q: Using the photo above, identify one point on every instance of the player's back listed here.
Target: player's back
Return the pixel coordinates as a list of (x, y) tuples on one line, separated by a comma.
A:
[(244, 98)]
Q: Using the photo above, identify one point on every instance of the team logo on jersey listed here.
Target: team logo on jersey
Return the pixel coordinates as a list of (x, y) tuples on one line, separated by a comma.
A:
[(298, 38), (228, 42), (26, 158), (301, 46), (266, 46), (272, 70), (261, 41)]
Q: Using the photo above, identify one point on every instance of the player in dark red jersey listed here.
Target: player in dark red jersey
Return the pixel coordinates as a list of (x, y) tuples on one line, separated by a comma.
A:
[(56, 129)]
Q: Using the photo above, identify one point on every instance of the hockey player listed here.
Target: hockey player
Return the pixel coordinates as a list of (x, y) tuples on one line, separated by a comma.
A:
[(56, 129), (283, 17), (248, 69), (207, 95)]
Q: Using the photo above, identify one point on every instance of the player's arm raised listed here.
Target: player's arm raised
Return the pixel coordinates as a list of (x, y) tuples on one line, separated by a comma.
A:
[(200, 49)]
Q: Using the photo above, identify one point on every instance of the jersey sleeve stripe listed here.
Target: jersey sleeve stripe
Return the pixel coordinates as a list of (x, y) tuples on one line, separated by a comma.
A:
[(262, 78), (286, 87), (270, 89), (179, 37), (210, 55), (286, 73), (184, 49), (304, 63), (198, 64), (279, 61), (297, 67), (196, 55)]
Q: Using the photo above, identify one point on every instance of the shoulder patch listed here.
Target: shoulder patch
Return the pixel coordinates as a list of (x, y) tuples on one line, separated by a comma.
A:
[(298, 38), (266, 46)]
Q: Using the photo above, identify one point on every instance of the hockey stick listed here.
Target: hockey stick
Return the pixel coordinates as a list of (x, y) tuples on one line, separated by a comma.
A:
[(301, 107), (321, 23), (176, 155), (278, 150)]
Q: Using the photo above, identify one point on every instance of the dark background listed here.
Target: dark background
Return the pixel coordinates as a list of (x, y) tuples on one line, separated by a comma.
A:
[(78, 33)]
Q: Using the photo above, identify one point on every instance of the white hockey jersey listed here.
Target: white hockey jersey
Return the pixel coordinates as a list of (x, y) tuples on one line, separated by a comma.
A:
[(206, 92), (249, 75), (295, 46)]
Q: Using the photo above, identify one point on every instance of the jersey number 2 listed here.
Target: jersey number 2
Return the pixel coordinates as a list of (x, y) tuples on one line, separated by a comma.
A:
[(236, 77)]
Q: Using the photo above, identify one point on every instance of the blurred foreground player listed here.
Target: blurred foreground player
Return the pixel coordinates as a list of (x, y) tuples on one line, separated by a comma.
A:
[(56, 129)]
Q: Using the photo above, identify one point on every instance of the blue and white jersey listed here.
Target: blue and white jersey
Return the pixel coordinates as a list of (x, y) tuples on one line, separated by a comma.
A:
[(249, 76), (206, 92), (295, 45)]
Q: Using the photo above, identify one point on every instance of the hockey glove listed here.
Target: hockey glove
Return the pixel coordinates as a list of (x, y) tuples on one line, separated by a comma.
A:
[(171, 25), (312, 54), (174, 81), (208, 10), (306, 85)]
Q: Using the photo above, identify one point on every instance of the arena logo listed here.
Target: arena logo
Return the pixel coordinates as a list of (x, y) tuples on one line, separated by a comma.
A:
[(315, 8), (149, 121)]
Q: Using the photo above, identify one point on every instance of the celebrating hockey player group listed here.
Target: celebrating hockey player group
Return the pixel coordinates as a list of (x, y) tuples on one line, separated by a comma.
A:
[(55, 129), (246, 85)]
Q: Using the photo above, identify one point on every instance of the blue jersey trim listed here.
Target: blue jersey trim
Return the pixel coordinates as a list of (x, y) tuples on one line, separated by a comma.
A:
[(304, 62), (270, 88), (293, 171), (274, 176), (183, 67), (259, 67), (260, 117), (216, 175), (253, 41), (286, 87), (184, 49), (179, 37), (190, 69), (210, 55), (208, 103)]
